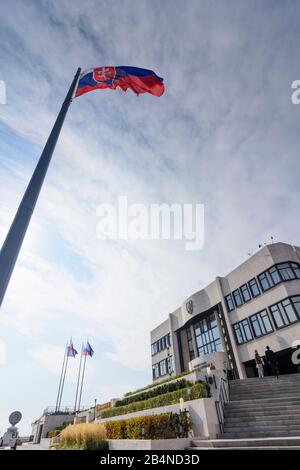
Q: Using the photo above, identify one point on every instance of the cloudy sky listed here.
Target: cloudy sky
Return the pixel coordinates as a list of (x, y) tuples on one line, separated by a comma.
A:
[(225, 134)]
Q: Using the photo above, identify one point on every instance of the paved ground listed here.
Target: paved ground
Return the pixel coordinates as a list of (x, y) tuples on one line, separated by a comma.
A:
[(30, 446)]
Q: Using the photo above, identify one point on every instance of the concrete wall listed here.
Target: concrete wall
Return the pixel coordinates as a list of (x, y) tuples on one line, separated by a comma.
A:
[(202, 412), (147, 444)]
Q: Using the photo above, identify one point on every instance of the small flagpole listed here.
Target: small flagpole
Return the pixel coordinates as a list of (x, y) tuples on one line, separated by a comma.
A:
[(82, 378), (61, 375), (14, 239), (64, 377), (78, 379)]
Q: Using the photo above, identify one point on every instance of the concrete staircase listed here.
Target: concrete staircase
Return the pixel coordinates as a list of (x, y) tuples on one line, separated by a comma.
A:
[(261, 413)]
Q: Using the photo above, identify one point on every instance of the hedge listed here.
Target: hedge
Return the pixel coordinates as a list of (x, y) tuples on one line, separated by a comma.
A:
[(169, 379), (163, 426), (165, 388), (199, 390)]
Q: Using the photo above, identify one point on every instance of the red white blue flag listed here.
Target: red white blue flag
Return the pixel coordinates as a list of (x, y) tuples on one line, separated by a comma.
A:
[(136, 79), (71, 351), (88, 350)]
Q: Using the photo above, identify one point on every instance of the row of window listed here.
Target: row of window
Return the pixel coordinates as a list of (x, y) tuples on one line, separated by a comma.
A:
[(283, 314), (207, 337), (161, 344), (162, 368), (278, 273)]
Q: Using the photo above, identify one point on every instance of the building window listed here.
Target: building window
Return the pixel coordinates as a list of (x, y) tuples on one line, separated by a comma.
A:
[(207, 335), (266, 281), (155, 371), (242, 331), (261, 324), (190, 344), (254, 288), (288, 271), (161, 344), (283, 313), (237, 297), (170, 369), (296, 302), (296, 269), (162, 368), (229, 303), (245, 293)]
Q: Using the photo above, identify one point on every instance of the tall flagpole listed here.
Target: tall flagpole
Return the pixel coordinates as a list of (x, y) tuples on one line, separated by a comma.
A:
[(13, 242), (78, 379), (61, 376), (82, 378), (63, 382)]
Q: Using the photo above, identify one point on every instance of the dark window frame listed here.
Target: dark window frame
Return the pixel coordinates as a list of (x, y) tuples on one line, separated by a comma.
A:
[(254, 280), (241, 327), (260, 316), (234, 297), (285, 325), (246, 287), (229, 296)]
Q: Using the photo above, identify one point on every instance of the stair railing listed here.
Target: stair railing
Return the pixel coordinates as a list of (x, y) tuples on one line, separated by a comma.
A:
[(222, 399)]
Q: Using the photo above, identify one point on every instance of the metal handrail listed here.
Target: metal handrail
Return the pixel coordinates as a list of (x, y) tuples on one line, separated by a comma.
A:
[(222, 399)]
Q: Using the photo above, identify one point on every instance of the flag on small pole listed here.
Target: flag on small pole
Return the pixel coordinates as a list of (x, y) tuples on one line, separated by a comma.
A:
[(86, 351), (70, 351)]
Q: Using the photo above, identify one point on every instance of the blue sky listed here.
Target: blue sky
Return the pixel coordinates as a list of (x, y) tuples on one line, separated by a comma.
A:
[(224, 134)]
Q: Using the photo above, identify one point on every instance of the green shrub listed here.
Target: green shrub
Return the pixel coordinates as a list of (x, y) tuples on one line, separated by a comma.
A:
[(199, 390), (57, 430), (163, 426), (161, 390), (182, 374)]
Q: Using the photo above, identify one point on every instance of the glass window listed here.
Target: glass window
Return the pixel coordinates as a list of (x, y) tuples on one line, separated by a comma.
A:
[(163, 367), (170, 365), (266, 281), (242, 331), (207, 336), (283, 313), (296, 302), (155, 371), (286, 271), (296, 269), (245, 293), (229, 302), (274, 275), (238, 333), (254, 287), (261, 323), (289, 310), (237, 297)]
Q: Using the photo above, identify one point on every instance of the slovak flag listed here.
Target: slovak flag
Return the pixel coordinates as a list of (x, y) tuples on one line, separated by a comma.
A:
[(136, 79), (71, 351), (88, 350)]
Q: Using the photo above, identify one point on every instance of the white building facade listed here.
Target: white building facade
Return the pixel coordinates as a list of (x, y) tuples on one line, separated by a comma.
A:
[(254, 306)]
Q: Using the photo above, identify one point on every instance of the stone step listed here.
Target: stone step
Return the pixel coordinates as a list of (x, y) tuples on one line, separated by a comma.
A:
[(277, 388), (293, 377), (281, 419), (261, 396), (271, 427), (295, 399), (281, 442), (256, 434)]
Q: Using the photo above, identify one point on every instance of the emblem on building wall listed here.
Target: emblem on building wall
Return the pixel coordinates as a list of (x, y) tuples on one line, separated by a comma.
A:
[(189, 307)]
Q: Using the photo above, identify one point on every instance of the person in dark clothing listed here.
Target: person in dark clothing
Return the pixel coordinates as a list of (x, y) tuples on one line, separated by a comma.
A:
[(271, 361)]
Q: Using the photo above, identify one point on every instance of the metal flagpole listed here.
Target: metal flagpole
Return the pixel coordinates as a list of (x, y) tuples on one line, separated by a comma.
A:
[(83, 371), (63, 383), (13, 242), (78, 379), (61, 375)]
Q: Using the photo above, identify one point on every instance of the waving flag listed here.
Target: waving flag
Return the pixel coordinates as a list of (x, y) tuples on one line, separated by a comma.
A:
[(71, 352), (138, 80), (88, 350)]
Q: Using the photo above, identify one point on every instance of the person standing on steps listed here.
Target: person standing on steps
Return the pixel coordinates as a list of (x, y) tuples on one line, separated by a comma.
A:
[(259, 364), (271, 361)]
